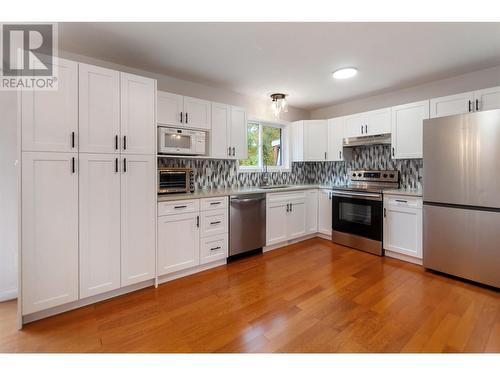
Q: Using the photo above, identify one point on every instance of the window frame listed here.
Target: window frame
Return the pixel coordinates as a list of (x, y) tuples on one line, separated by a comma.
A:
[(285, 147)]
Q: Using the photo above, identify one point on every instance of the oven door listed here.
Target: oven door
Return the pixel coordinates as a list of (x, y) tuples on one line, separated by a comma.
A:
[(358, 213)]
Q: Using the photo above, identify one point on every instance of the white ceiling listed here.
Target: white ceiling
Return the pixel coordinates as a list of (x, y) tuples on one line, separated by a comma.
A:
[(257, 59)]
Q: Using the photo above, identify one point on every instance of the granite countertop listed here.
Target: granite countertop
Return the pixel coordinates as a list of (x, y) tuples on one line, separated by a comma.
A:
[(408, 192), (209, 193)]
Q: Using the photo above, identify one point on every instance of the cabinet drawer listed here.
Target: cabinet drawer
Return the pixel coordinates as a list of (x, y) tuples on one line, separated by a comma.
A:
[(176, 207), (213, 248), (403, 201), (213, 222), (286, 197), (213, 203)]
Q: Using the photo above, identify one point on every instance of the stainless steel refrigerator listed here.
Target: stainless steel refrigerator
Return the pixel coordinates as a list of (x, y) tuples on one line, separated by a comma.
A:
[(462, 196)]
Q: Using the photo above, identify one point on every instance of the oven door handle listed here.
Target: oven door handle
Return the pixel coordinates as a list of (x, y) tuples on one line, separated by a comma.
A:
[(367, 196)]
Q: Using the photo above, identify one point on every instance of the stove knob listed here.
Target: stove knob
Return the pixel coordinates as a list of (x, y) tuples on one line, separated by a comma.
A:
[(385, 175), (391, 176), (354, 175), (359, 174)]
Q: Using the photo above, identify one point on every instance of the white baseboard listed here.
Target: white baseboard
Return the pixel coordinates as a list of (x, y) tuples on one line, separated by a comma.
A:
[(7, 295), (406, 258), (190, 271), (295, 240)]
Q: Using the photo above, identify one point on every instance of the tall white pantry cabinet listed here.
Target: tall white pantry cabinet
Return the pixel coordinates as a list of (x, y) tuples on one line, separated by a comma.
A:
[(88, 186)]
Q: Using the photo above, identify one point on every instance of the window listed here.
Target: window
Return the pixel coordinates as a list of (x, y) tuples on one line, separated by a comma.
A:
[(266, 147)]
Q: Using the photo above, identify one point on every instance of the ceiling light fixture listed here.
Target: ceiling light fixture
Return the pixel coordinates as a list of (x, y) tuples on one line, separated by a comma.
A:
[(279, 104), (345, 73)]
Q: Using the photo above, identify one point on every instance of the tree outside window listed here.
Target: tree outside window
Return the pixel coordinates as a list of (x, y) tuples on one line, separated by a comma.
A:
[(265, 146)]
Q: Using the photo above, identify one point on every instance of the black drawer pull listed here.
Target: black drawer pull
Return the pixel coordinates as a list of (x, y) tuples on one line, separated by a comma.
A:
[(401, 201), (177, 207), (215, 222), (214, 203), (215, 248)]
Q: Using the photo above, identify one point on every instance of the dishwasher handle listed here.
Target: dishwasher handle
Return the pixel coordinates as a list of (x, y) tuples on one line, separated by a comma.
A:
[(247, 200)]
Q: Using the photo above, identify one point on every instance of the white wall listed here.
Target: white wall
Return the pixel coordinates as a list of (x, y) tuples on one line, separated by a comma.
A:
[(466, 82), (256, 107), (8, 195)]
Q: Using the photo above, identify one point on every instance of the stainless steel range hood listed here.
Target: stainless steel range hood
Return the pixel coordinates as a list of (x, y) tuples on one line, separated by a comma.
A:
[(380, 139)]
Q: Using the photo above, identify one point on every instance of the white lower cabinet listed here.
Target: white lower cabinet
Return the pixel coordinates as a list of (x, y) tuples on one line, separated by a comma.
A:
[(403, 226), (325, 212), (49, 230), (99, 224), (312, 211), (285, 216), (191, 232)]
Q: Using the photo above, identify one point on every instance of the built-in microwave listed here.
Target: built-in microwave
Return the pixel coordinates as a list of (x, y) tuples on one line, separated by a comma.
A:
[(181, 141), (175, 180)]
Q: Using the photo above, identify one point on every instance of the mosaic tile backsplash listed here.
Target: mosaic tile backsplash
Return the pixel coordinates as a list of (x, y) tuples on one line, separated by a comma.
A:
[(210, 173)]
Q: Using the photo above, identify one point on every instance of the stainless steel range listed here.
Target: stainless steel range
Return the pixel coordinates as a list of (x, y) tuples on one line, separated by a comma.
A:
[(357, 209)]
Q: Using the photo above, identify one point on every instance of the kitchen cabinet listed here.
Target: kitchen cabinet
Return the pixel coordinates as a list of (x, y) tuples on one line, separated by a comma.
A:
[(220, 135), (452, 105), (178, 242), (213, 222), (138, 124), (403, 225), (310, 140), (138, 212), (213, 248), (197, 113), (99, 222), (238, 134), (50, 117), (312, 211), (368, 123), (170, 109), (335, 138), (407, 129), (285, 216), (99, 109), (325, 212), (487, 99), (49, 230)]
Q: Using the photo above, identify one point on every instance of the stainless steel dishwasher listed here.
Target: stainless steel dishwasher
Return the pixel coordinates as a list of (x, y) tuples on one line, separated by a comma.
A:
[(247, 223)]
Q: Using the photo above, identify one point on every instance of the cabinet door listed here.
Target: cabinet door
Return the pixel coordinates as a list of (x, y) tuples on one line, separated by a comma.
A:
[(335, 139), (407, 129), (315, 140), (298, 141), (138, 218), (178, 242), (213, 248), (221, 117), (296, 220), (238, 133), (487, 99), (138, 126), (50, 230), (403, 230), (50, 118), (325, 212), (452, 105), (99, 224), (99, 109), (169, 109), (378, 122), (276, 222), (354, 125), (197, 113), (312, 211)]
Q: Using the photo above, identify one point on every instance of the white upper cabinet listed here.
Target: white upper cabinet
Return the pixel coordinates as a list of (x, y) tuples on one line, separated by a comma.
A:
[(99, 236), (487, 99), (99, 109), (138, 125), (354, 125), (170, 109), (219, 138), (407, 129), (452, 105), (335, 139), (368, 123), (138, 217), (197, 113), (50, 118), (325, 212), (238, 133), (315, 140), (49, 230)]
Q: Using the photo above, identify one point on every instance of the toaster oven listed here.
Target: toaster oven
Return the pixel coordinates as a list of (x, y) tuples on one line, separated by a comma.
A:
[(175, 180)]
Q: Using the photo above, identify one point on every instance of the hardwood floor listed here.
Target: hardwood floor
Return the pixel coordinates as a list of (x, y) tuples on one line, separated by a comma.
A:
[(313, 296)]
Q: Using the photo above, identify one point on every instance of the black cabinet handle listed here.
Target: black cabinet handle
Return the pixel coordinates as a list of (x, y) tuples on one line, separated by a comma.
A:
[(124, 142), (366, 129), (214, 203), (287, 207), (470, 106), (215, 248), (124, 164), (197, 221), (234, 151), (116, 142), (477, 105), (186, 117), (214, 222), (325, 155), (385, 212), (340, 154), (361, 129), (72, 139), (291, 207), (179, 207), (73, 165), (181, 117), (229, 151), (116, 165), (401, 201), (393, 151)]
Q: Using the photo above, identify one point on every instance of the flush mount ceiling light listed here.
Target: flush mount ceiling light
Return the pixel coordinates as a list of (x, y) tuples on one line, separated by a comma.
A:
[(279, 104), (345, 73)]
